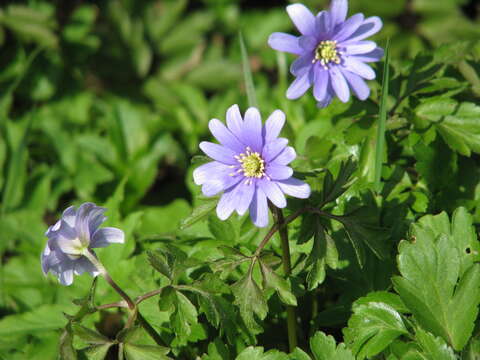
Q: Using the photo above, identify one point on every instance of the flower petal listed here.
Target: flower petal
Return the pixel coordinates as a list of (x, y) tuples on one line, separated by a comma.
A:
[(106, 236), (273, 148), (66, 277), (218, 152), (328, 98), (370, 26), (302, 65), (339, 84), (204, 172), (274, 125), (235, 121), (323, 25), (302, 18), (285, 42), (220, 183), (69, 216), (278, 172), (69, 246), (359, 47), (226, 205), (286, 156), (372, 56), (96, 218), (252, 129), (308, 43), (357, 67), (273, 192), (295, 188), (357, 84), (82, 226), (84, 265), (338, 11), (299, 86), (348, 27), (225, 136), (320, 83), (243, 195), (259, 208)]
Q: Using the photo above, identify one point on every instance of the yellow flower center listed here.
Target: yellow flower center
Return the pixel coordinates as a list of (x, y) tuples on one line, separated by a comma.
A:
[(252, 164), (326, 52)]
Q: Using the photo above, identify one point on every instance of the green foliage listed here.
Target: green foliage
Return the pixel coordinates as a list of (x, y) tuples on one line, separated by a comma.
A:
[(108, 101)]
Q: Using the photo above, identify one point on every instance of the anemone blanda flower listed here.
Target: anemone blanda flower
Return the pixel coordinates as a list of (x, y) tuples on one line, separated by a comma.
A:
[(76, 232), (332, 52), (250, 165)]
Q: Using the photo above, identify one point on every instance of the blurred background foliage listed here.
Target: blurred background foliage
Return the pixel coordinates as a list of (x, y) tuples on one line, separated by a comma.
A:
[(107, 101)]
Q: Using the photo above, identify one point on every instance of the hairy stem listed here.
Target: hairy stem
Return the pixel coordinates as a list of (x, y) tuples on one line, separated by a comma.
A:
[(287, 267), (95, 261)]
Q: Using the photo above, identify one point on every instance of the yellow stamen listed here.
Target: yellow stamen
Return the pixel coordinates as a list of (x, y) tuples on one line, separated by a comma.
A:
[(326, 52)]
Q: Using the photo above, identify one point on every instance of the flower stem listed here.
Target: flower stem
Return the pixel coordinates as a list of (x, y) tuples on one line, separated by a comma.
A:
[(287, 268), (95, 261)]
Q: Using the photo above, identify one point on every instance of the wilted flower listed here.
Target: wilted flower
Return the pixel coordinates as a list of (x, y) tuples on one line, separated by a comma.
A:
[(69, 239), (332, 52), (250, 165)]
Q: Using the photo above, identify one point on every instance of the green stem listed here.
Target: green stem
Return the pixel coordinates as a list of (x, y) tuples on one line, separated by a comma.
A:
[(287, 268), (95, 261)]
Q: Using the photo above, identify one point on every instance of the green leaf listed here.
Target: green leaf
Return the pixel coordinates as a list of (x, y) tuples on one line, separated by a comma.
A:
[(96, 352), (256, 353), (88, 335), (390, 299), (67, 352), (199, 212), (282, 286), (456, 122), (159, 263), (332, 189), (247, 74), (372, 328), (324, 348), (222, 230), (43, 318), (437, 283), (145, 352), (434, 347), (382, 119), (324, 252), (250, 300)]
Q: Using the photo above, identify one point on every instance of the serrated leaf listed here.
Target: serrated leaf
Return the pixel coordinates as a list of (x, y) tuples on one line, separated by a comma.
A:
[(249, 298), (257, 353), (67, 352), (145, 352), (456, 122), (391, 299), (279, 284), (434, 348), (88, 335), (96, 352), (324, 252), (443, 300), (222, 230), (199, 212), (332, 189), (372, 328), (159, 263), (325, 348)]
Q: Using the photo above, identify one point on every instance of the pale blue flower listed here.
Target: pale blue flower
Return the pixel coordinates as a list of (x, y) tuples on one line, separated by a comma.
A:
[(75, 233)]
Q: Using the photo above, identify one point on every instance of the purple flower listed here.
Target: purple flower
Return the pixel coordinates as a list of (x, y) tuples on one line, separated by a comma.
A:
[(74, 234), (250, 165), (332, 52)]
